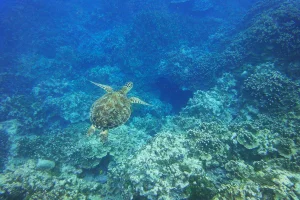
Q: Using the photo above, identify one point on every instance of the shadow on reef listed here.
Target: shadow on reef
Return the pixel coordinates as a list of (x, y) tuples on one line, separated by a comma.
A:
[(171, 93), (4, 149), (99, 172)]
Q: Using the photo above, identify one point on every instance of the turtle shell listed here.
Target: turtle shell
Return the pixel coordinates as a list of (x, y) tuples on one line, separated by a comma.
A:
[(111, 110)]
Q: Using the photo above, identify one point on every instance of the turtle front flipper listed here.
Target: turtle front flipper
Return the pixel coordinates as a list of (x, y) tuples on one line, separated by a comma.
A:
[(103, 136), (137, 100), (91, 130), (104, 87)]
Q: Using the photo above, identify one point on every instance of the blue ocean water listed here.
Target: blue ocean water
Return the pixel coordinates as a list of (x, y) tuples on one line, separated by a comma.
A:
[(140, 99)]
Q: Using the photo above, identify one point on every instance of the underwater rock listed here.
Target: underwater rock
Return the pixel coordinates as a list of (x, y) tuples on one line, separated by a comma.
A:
[(216, 104), (205, 144), (148, 124), (105, 73), (297, 189), (239, 190), (270, 30), (45, 165), (265, 184), (239, 168), (189, 67), (10, 126), (285, 147), (101, 178), (257, 135), (73, 107), (247, 139), (8, 132)]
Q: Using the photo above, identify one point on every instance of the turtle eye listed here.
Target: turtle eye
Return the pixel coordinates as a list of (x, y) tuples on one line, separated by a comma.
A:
[(129, 84)]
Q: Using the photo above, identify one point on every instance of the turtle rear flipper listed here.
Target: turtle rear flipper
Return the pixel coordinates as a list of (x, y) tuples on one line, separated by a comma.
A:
[(103, 136), (91, 130)]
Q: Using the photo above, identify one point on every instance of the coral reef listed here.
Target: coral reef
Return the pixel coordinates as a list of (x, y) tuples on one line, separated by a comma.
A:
[(72, 107), (216, 104), (189, 66), (268, 183), (272, 90), (266, 136), (269, 30), (163, 169), (66, 163), (24, 182), (76, 149)]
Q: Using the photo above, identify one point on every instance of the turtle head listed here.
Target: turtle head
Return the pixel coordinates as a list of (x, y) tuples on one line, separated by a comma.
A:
[(126, 88)]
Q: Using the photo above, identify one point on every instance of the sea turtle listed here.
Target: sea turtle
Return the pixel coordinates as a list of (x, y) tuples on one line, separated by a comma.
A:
[(112, 109)]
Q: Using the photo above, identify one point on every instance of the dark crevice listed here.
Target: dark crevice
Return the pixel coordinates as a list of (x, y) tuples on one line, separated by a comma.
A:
[(4, 149), (98, 173), (173, 94)]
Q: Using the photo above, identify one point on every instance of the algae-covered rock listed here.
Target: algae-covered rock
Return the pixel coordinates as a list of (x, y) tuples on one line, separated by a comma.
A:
[(285, 147), (248, 140), (45, 164), (239, 168), (265, 184), (205, 144), (239, 191), (8, 132), (258, 135), (215, 105)]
